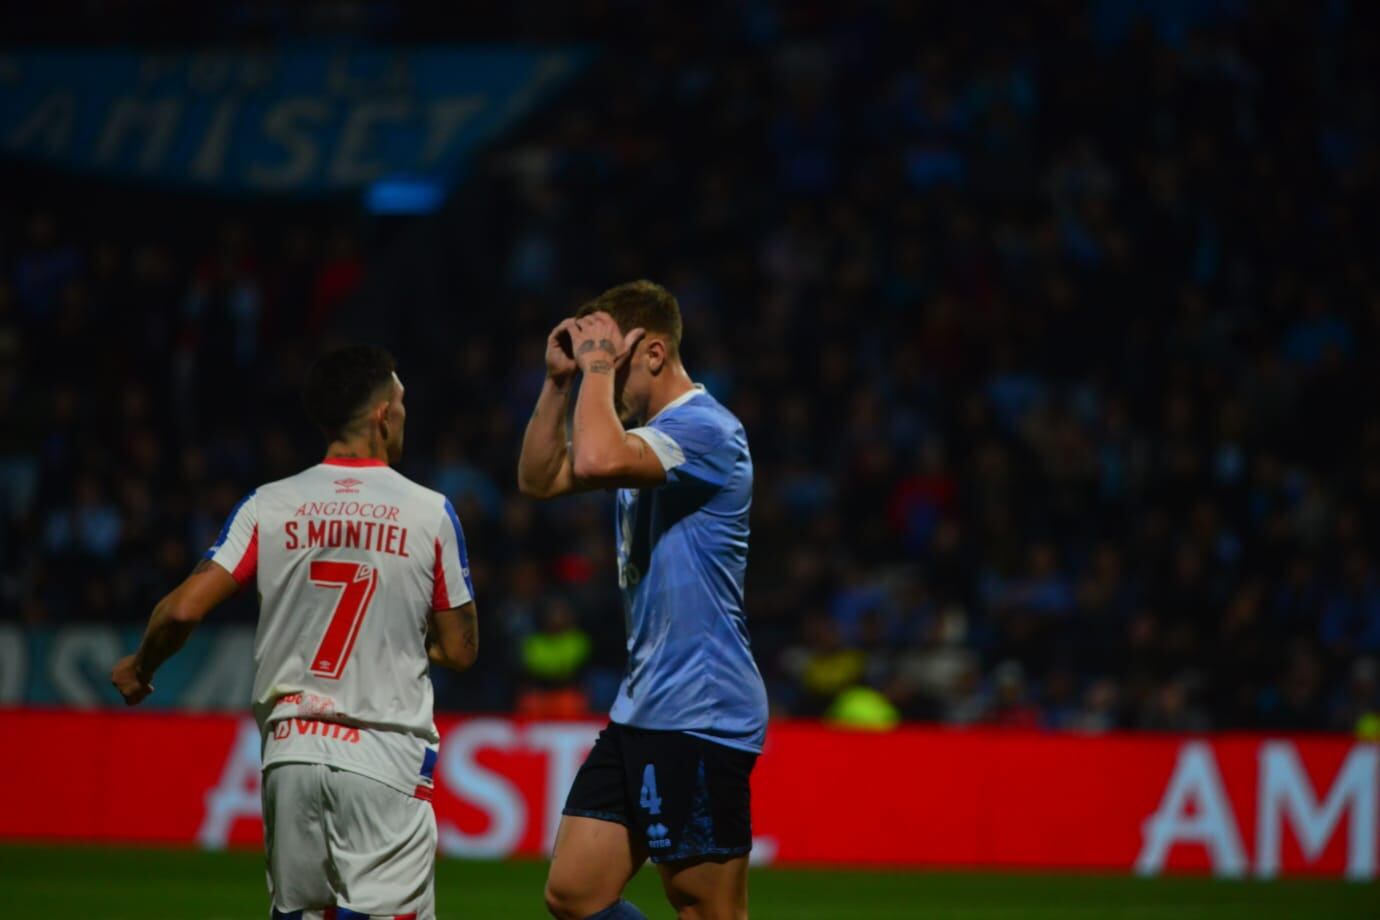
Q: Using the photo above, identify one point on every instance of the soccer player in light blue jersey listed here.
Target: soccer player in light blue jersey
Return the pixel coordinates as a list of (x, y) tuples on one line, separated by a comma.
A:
[(668, 778)]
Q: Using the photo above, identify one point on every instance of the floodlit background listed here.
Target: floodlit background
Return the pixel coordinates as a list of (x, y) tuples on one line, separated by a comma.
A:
[(1054, 326)]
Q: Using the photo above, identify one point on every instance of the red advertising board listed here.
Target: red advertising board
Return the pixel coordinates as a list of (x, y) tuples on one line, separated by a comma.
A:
[(1231, 804)]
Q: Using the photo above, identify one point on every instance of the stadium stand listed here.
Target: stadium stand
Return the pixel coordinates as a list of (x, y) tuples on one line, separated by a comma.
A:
[(1058, 358)]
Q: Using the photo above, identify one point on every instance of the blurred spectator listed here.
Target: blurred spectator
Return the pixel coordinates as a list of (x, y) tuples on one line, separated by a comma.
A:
[(1358, 708), (90, 526), (824, 666), (553, 658), (1010, 707)]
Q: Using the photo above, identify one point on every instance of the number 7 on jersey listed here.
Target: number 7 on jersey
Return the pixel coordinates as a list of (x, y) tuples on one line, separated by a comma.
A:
[(357, 582)]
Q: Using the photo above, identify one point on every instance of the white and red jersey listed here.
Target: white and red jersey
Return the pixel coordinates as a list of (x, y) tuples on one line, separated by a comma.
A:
[(348, 557)]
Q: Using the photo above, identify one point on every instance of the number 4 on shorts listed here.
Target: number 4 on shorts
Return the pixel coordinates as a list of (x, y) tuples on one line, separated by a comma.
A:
[(649, 799)]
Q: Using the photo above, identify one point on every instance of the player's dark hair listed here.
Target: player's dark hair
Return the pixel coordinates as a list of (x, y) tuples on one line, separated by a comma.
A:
[(642, 304), (342, 383)]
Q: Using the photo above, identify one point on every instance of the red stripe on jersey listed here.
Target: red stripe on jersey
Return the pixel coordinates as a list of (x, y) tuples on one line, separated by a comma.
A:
[(353, 461), (423, 792), (328, 914), (440, 595), (249, 562), (404, 917)]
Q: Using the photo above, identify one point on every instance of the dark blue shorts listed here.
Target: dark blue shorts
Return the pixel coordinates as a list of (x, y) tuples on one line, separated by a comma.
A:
[(680, 796)]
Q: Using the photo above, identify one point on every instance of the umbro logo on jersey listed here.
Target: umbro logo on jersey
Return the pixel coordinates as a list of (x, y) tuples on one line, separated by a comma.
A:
[(349, 484)]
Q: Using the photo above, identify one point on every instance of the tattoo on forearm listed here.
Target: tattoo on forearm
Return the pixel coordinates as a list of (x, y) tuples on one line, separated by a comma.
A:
[(471, 629), (600, 367)]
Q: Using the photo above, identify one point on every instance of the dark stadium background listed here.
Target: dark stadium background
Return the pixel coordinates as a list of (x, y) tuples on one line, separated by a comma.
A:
[(1058, 355), (1054, 326)]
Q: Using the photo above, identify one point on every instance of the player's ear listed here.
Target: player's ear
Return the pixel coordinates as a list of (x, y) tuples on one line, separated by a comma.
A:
[(656, 355), (381, 417)]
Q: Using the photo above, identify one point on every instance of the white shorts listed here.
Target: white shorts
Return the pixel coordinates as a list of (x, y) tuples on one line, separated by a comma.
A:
[(338, 840)]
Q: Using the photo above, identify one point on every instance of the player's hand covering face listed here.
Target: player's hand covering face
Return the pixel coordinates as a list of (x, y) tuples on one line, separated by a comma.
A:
[(600, 347), (598, 344), (560, 355)]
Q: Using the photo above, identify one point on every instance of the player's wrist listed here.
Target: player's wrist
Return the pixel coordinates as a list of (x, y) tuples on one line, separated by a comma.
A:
[(142, 672), (597, 368), (560, 383)]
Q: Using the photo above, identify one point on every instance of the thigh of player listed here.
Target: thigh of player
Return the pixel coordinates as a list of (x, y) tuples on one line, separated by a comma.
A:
[(595, 855), (295, 838), (383, 847)]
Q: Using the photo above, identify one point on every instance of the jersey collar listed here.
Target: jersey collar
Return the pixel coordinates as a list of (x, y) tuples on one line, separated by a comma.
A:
[(353, 461), (682, 399)]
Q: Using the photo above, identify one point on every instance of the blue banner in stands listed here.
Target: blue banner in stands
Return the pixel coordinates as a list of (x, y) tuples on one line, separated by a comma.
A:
[(301, 120)]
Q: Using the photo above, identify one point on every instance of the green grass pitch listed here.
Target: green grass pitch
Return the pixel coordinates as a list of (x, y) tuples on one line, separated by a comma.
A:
[(80, 882)]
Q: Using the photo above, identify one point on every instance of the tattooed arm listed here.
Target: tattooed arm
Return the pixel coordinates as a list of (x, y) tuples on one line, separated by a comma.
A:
[(552, 464), (452, 638), (174, 618), (603, 453)]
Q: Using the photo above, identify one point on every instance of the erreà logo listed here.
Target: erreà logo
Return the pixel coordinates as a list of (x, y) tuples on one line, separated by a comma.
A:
[(348, 484)]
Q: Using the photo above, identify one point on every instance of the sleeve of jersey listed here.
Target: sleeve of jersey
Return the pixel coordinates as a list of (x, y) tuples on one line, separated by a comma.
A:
[(690, 448), (451, 585), (237, 547)]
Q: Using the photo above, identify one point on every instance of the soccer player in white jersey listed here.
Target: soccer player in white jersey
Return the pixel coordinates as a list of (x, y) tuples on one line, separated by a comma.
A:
[(668, 778), (362, 579)]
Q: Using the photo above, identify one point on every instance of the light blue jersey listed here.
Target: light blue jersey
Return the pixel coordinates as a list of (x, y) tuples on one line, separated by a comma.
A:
[(682, 558)]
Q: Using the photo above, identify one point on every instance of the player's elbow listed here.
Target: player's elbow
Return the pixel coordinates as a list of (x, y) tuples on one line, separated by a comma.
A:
[(461, 653), (531, 487), (540, 482), (184, 611), (461, 658), (593, 466)]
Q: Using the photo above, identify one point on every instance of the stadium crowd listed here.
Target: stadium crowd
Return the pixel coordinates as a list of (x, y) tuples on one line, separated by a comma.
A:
[(1056, 338)]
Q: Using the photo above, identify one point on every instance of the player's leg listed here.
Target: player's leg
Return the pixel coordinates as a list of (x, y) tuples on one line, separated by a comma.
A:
[(382, 847), (592, 863), (709, 888), (595, 855), (295, 839), (693, 801)]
